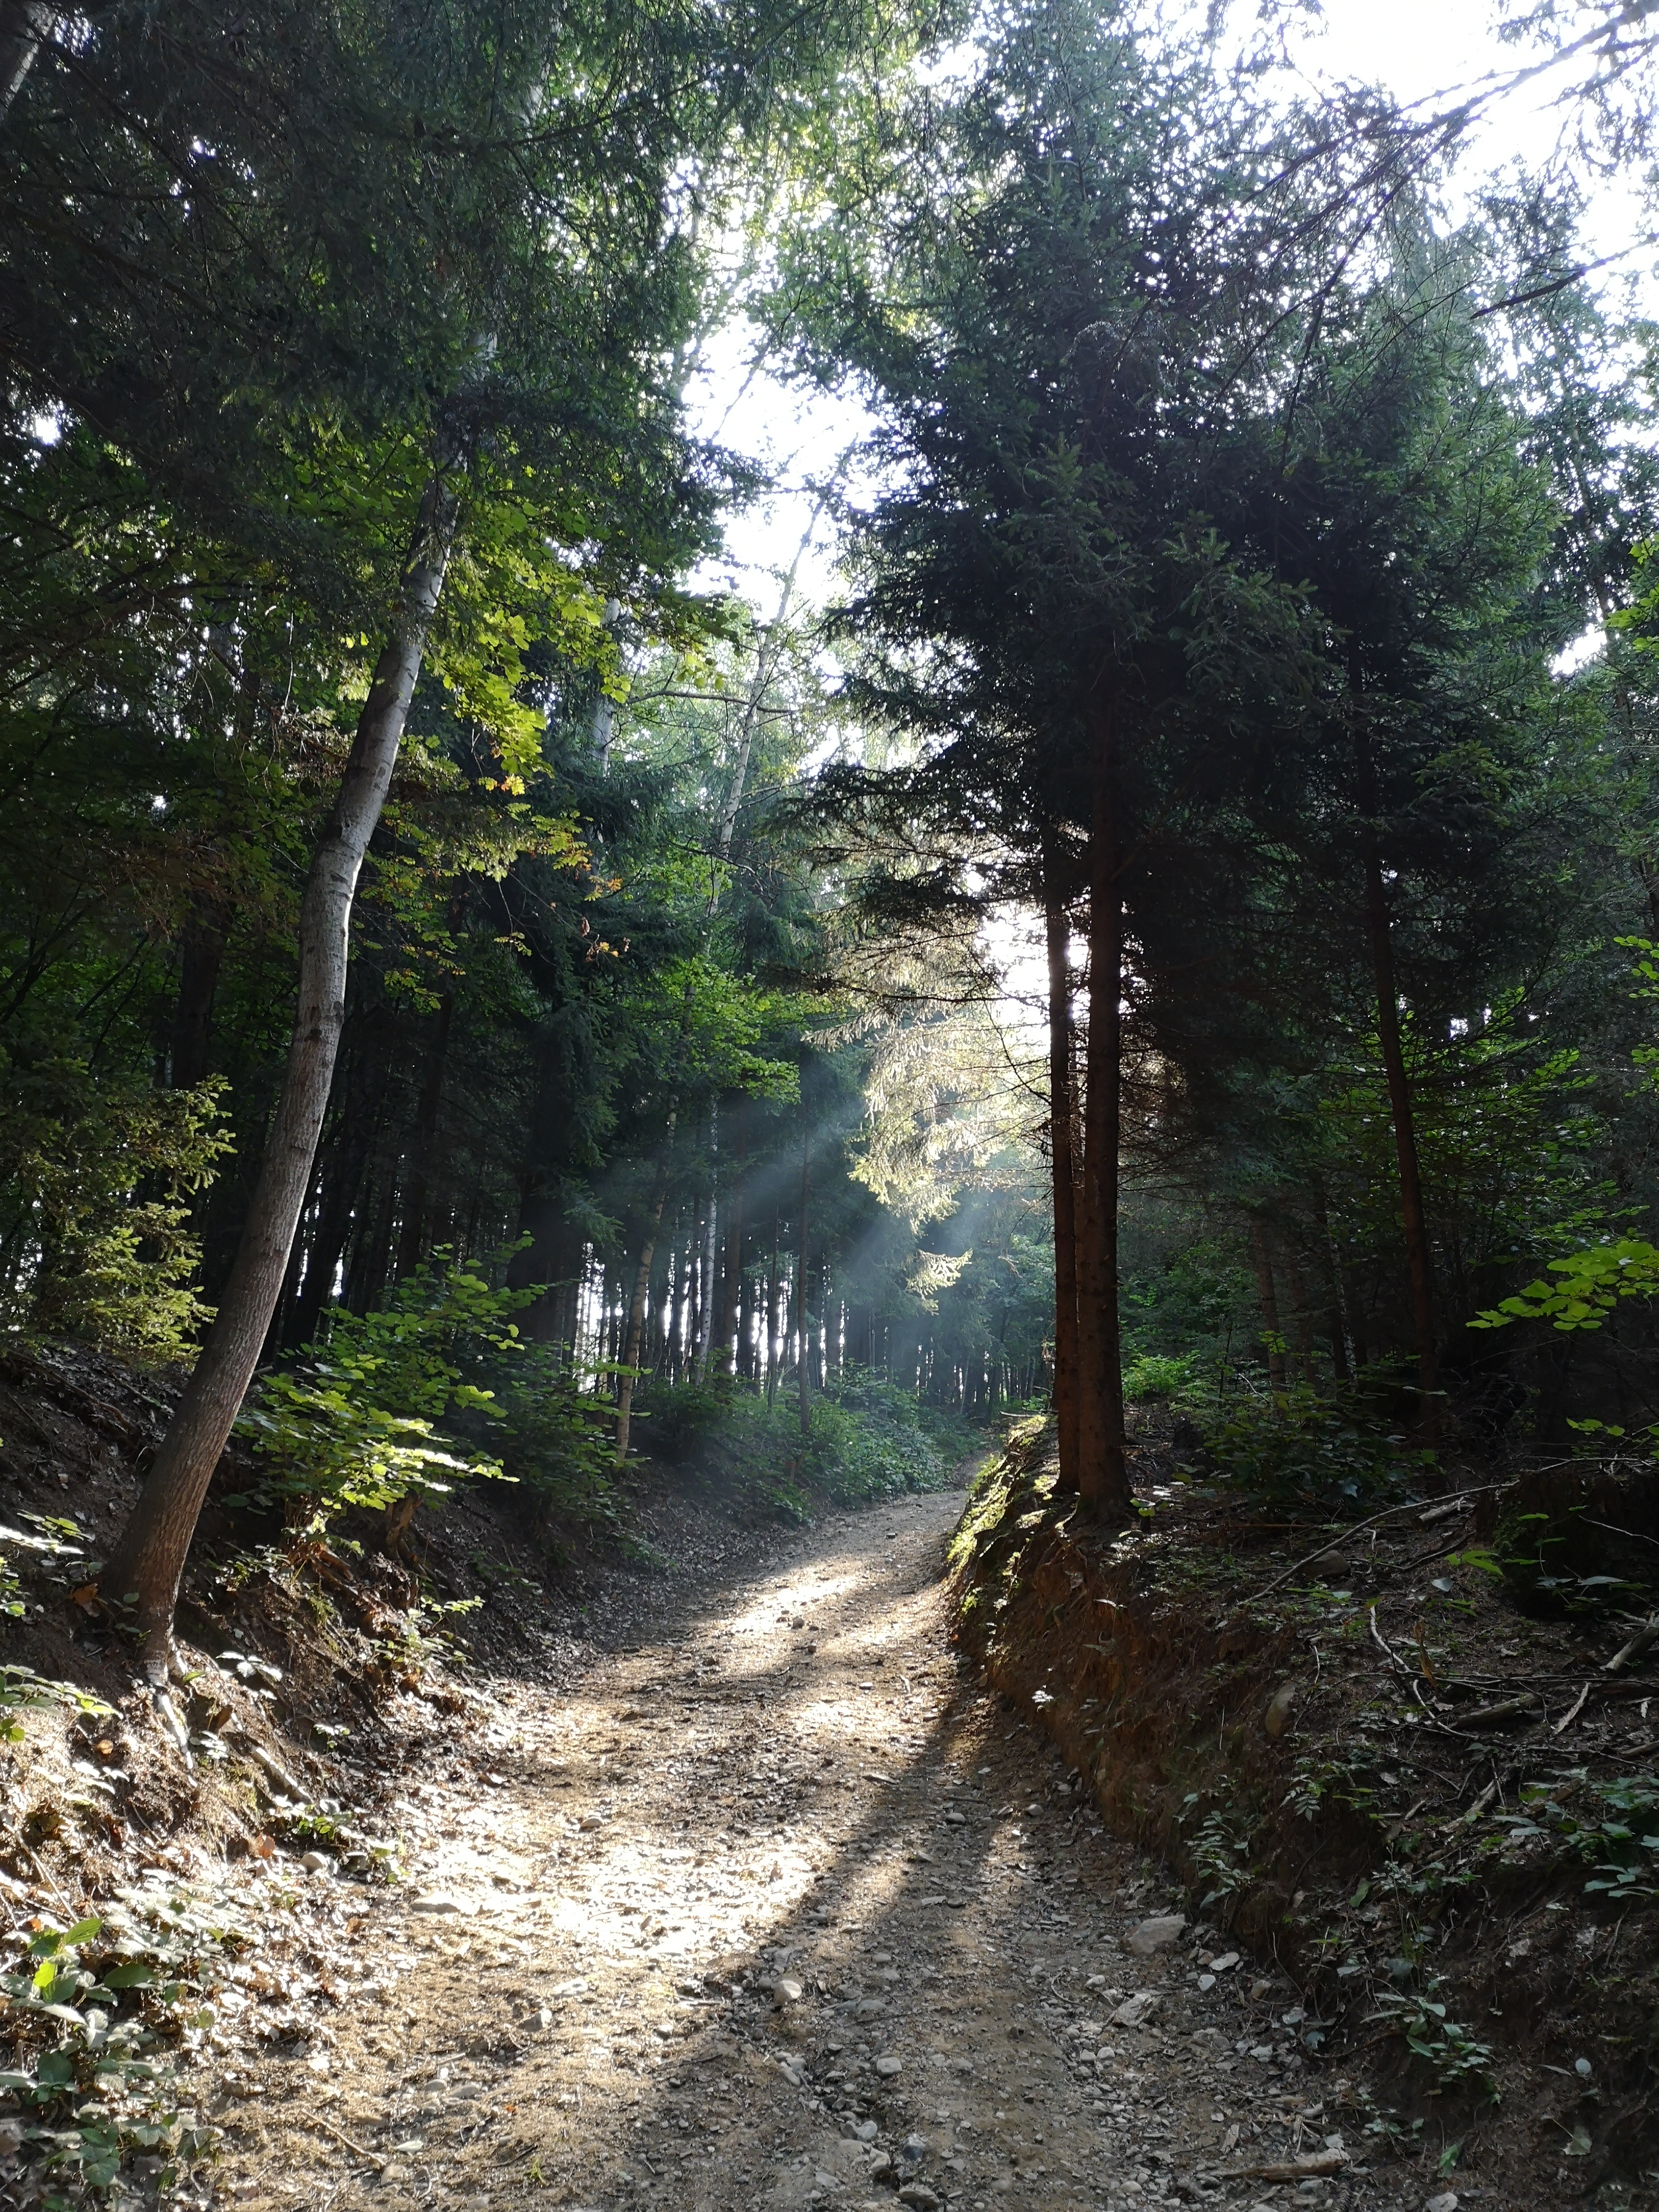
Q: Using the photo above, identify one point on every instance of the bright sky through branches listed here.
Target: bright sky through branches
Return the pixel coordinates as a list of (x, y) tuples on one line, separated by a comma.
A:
[(1419, 50), (1428, 53)]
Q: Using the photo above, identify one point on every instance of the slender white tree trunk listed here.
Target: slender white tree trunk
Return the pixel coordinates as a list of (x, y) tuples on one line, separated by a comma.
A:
[(25, 27), (149, 1557)]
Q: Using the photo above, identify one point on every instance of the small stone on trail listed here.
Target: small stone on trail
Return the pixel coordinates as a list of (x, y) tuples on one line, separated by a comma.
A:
[(1446, 2201), (1225, 1964), (435, 1902), (316, 1863), (887, 2067), (1157, 1934), (918, 2197), (786, 1990)]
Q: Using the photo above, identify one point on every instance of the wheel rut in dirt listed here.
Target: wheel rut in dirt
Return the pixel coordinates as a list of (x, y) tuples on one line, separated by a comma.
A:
[(781, 1910)]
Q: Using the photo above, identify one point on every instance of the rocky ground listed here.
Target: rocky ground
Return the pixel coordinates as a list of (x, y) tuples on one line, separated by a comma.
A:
[(778, 1907)]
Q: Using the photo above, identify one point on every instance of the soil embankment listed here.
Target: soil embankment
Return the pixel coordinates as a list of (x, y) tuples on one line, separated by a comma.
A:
[(1374, 1774)]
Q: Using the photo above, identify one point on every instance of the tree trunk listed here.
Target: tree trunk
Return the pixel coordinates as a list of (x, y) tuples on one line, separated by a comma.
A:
[(804, 1388), (604, 707), (1267, 1299), (201, 952), (774, 1313), (727, 1362), (1301, 1319), (1413, 1217), (554, 1258), (149, 1556), (25, 25), (1061, 1103), (1102, 1462), (707, 1297), (342, 1186), (371, 1250), (631, 1357), (411, 1245)]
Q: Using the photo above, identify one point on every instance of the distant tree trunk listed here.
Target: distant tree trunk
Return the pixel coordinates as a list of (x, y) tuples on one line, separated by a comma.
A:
[(805, 1391), (658, 1321), (25, 25), (604, 707), (149, 1555), (205, 934), (1267, 1299), (743, 1363), (554, 1256), (707, 1298), (679, 1310), (201, 953), (774, 1312), (1413, 1216), (727, 1344), (1301, 1321), (357, 1128), (1342, 1343), (1102, 1459), (631, 1357), (1061, 1103), (417, 1207)]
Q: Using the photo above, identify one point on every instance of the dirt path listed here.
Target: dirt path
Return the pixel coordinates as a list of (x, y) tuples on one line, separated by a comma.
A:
[(774, 1912)]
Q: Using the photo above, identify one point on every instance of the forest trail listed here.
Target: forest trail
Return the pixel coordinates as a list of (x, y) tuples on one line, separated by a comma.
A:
[(572, 2002)]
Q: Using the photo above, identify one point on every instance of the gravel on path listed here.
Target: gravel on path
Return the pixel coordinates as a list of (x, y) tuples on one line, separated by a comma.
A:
[(778, 1910)]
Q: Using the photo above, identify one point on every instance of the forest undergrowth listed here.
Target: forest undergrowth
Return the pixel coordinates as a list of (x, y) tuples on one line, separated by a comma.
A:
[(1392, 1732)]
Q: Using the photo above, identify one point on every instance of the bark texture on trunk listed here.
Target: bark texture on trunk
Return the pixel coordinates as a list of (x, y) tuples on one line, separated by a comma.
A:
[(149, 1556), (1102, 1462), (1061, 1104), (25, 25)]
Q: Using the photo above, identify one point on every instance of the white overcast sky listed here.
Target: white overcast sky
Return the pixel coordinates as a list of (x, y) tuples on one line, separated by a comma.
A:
[(1416, 48)]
